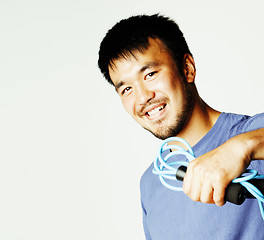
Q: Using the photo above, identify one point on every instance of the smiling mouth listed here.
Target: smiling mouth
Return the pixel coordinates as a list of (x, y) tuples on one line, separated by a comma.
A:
[(155, 111)]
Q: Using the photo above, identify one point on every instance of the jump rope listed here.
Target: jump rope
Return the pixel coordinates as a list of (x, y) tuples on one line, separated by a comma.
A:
[(249, 185)]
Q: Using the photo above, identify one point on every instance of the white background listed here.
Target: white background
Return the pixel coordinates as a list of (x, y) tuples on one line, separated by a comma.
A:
[(70, 157)]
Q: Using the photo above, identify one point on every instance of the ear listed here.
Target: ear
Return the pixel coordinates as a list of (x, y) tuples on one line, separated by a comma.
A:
[(189, 68)]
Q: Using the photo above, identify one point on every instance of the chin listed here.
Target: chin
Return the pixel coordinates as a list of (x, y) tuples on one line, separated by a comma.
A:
[(163, 136), (164, 133)]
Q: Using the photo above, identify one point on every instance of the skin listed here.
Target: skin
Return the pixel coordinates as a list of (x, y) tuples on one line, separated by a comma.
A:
[(167, 103), (208, 176), (145, 83)]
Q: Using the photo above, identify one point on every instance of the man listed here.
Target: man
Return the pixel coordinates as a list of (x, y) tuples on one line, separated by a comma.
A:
[(148, 61)]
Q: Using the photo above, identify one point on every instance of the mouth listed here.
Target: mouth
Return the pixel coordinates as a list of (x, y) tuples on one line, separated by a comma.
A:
[(156, 111)]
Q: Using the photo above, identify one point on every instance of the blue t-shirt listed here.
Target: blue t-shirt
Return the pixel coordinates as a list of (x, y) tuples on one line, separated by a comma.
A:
[(171, 215)]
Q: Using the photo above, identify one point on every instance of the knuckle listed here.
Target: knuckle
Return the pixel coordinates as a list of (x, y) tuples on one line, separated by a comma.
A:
[(186, 191), (191, 194), (191, 166), (218, 199), (204, 199), (220, 175), (219, 202), (195, 198), (208, 175)]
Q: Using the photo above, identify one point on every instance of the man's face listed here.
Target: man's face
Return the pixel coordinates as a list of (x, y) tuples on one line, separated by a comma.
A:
[(153, 91)]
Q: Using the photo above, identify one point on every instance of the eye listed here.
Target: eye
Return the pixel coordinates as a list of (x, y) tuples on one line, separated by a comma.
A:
[(125, 90), (150, 75)]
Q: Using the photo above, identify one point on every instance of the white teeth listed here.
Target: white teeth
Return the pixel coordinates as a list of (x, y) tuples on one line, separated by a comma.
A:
[(155, 110)]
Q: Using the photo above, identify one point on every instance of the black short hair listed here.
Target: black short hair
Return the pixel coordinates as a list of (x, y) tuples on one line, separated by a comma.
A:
[(132, 34)]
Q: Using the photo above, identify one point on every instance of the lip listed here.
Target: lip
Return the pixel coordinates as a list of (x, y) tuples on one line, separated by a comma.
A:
[(156, 114)]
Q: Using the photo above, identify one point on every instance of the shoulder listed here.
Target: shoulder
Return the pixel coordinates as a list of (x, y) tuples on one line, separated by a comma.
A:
[(244, 123), (254, 122), (227, 126)]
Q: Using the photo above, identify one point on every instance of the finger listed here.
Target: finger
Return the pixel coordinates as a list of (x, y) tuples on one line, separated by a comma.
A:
[(219, 195), (207, 193), (192, 185), (187, 181), (195, 193)]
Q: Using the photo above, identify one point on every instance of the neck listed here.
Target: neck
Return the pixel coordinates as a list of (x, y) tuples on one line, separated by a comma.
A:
[(201, 120)]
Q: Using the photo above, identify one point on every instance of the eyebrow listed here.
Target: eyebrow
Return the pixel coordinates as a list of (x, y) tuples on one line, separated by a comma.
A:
[(141, 70), (119, 84), (148, 65)]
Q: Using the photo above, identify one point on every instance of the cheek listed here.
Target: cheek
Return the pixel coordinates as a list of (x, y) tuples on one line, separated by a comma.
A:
[(166, 83), (129, 106)]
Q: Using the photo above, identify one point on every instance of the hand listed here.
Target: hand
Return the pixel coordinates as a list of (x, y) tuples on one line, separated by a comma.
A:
[(208, 176)]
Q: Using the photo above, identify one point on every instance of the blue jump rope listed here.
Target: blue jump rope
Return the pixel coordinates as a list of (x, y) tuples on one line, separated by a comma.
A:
[(169, 170)]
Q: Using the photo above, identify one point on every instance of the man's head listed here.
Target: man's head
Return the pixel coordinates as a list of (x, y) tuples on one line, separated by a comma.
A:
[(148, 61), (132, 34)]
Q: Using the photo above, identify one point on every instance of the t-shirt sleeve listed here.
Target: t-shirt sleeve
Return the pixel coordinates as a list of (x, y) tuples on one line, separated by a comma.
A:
[(253, 123)]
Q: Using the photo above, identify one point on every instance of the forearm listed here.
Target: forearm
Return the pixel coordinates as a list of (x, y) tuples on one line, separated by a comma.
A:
[(208, 176), (255, 143)]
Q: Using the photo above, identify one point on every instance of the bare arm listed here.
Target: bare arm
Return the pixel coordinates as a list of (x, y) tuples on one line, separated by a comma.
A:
[(208, 176)]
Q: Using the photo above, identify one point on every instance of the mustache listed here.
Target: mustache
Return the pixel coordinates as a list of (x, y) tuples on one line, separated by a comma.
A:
[(142, 110)]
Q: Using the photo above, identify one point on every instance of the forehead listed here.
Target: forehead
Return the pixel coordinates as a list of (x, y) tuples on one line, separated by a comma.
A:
[(133, 63)]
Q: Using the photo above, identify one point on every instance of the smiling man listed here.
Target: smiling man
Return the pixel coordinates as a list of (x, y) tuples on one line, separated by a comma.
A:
[(153, 91), (148, 61)]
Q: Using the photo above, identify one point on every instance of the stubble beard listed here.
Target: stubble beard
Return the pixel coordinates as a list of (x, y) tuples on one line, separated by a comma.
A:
[(179, 122)]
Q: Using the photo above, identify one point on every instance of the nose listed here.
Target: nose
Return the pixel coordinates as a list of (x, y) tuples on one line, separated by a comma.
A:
[(144, 94)]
